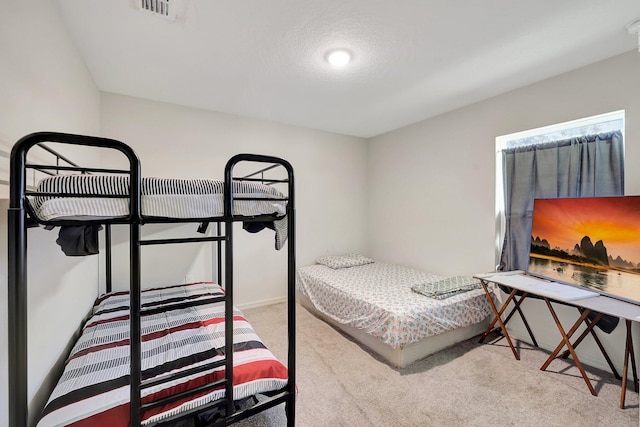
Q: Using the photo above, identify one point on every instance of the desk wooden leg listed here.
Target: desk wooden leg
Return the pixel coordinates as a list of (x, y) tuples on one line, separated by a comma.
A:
[(524, 320), (628, 353), (497, 318), (591, 330), (566, 341), (516, 309), (632, 353), (497, 313)]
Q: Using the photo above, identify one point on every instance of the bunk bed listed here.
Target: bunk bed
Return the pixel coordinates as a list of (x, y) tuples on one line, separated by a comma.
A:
[(169, 348), (400, 313)]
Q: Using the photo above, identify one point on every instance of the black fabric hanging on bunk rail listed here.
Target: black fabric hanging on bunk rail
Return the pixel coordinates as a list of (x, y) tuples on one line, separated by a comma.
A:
[(79, 240)]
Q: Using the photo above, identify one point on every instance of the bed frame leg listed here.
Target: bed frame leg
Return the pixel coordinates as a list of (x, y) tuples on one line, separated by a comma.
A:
[(289, 409), (17, 316)]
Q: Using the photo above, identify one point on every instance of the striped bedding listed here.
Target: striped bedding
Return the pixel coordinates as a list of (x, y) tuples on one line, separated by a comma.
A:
[(94, 390), (160, 198)]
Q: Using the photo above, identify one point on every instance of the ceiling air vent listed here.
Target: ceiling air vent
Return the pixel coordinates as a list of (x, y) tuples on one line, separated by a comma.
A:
[(162, 8)]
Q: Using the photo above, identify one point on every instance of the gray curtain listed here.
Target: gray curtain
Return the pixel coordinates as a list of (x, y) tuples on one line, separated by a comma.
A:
[(577, 167)]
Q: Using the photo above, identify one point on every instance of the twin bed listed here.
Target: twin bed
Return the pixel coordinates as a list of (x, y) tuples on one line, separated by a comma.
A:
[(93, 389), (162, 356), (401, 313)]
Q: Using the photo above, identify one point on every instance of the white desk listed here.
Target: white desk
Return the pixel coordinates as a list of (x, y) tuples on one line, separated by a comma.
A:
[(585, 300)]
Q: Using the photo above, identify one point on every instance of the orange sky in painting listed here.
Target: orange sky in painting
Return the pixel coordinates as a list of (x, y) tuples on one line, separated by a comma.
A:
[(614, 220)]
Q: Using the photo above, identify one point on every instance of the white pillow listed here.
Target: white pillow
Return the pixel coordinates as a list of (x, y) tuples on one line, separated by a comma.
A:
[(343, 261)]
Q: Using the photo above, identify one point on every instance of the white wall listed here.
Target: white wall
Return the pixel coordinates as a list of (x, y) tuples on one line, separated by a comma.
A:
[(330, 173), (44, 85), (432, 184), (429, 202)]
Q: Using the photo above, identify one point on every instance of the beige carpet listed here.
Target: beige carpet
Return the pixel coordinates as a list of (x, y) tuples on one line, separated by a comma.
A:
[(471, 384)]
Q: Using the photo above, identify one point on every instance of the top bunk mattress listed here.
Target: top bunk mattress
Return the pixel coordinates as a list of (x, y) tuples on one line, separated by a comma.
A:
[(378, 299), (160, 198)]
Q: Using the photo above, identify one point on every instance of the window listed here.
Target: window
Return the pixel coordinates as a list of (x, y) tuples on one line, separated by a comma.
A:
[(522, 144)]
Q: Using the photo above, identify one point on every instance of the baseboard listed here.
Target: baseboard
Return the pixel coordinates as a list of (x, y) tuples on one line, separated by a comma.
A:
[(262, 303)]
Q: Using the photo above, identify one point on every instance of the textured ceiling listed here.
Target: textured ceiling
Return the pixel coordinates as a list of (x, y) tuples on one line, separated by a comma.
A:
[(412, 59)]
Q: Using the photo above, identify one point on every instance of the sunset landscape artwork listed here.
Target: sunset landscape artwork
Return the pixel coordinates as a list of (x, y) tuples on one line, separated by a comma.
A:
[(592, 242)]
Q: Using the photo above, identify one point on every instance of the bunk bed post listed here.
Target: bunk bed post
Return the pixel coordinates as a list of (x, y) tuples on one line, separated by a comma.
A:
[(228, 314), (219, 245), (17, 311), (291, 301), (135, 333), (228, 289), (107, 250), (134, 327), (17, 285)]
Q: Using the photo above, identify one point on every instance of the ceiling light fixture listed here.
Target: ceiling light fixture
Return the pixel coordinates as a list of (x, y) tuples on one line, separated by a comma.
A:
[(338, 57), (634, 28)]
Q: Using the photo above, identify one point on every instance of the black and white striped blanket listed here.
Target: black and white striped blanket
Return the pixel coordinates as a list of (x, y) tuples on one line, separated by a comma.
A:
[(160, 198), (94, 390)]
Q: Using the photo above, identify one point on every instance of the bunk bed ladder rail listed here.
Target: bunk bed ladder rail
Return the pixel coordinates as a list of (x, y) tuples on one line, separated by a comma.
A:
[(143, 384), (17, 250), (289, 396)]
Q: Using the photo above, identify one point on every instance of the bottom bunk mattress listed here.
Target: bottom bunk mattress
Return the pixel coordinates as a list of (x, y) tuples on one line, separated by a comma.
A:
[(94, 387), (377, 298)]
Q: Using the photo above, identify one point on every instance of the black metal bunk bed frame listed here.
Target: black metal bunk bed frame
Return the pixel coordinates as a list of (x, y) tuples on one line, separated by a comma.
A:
[(20, 215)]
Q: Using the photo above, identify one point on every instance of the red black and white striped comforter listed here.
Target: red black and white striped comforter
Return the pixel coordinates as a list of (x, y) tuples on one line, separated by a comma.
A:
[(94, 389)]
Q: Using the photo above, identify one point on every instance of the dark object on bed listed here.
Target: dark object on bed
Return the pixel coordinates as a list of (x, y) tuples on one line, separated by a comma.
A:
[(79, 240), (222, 407), (256, 227)]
